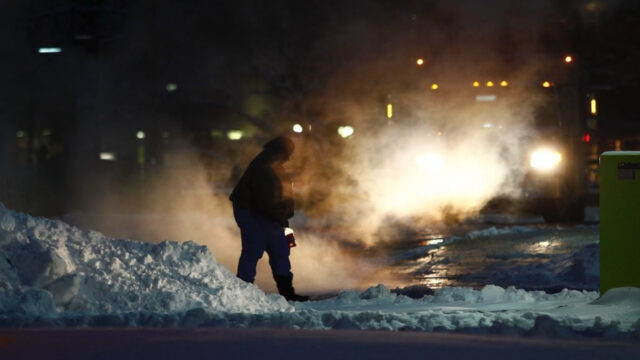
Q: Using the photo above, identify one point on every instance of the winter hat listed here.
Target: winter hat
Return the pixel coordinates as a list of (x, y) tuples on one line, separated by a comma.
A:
[(281, 144)]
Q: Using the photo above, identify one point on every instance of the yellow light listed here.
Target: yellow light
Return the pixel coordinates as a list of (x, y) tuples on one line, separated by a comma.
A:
[(420, 62), (235, 134), (345, 131), (476, 84), (489, 83), (545, 160), (504, 83), (594, 107), (297, 128), (546, 84), (434, 86), (568, 59), (389, 111)]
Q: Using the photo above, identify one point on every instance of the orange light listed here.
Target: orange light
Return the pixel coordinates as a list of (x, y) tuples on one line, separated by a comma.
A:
[(420, 62), (568, 59), (504, 83), (489, 83), (476, 84), (434, 86), (439, 133), (546, 84)]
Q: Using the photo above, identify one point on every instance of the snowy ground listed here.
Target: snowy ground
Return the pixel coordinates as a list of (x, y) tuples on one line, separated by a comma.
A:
[(52, 274)]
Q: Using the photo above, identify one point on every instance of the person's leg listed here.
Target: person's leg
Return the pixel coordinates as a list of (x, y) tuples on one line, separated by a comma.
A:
[(253, 243), (279, 251)]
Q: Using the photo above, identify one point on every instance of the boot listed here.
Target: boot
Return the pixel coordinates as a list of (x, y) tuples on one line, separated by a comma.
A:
[(285, 288)]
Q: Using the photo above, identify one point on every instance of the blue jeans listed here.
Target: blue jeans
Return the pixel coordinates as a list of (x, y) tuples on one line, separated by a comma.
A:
[(260, 234)]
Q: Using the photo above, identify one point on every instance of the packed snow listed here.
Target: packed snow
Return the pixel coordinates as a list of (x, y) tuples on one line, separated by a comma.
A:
[(53, 274)]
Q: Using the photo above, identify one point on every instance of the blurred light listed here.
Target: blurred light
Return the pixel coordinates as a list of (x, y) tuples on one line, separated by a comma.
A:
[(430, 162), (235, 134), (546, 84), (489, 83), (476, 84), (586, 138), (594, 107), (46, 132), (504, 83), (434, 86), (487, 125), (345, 131), (389, 111), (545, 159), (172, 87), (49, 50), (297, 128), (568, 59), (435, 241), (485, 98), (217, 133), (165, 134), (107, 156), (420, 62), (439, 133), (20, 134), (140, 135)]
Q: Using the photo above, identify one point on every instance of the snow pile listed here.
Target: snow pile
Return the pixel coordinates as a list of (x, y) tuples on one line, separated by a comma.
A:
[(48, 268)]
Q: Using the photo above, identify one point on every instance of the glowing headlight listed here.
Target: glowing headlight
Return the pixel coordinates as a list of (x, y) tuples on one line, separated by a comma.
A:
[(545, 159), (430, 162)]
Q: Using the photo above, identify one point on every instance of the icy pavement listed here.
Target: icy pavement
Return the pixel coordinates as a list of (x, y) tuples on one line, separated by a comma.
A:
[(533, 257), (52, 274)]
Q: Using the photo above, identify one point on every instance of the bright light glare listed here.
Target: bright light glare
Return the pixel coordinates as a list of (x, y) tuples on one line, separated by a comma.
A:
[(476, 84), (49, 50), (545, 159), (107, 156), (297, 128), (594, 107), (235, 134), (420, 62), (140, 135), (487, 125), (389, 111), (490, 84), (434, 86), (435, 241), (504, 83), (430, 162), (568, 59), (546, 84), (345, 131)]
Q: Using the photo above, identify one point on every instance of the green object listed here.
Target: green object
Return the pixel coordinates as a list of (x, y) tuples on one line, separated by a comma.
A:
[(619, 219)]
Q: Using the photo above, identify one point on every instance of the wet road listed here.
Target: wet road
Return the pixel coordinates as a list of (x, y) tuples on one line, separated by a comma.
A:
[(540, 257)]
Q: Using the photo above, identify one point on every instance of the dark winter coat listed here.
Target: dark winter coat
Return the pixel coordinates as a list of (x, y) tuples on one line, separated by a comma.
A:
[(265, 188)]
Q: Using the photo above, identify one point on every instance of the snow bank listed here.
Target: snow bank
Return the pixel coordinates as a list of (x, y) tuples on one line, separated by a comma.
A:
[(52, 274), (48, 268)]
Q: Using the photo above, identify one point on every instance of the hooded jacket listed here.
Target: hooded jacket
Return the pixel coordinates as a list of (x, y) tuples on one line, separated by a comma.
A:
[(264, 187)]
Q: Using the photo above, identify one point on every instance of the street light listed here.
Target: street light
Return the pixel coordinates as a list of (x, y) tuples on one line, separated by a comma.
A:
[(504, 83), (140, 135), (389, 111), (489, 83), (434, 86), (420, 61), (568, 59), (476, 84), (297, 128), (546, 84)]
